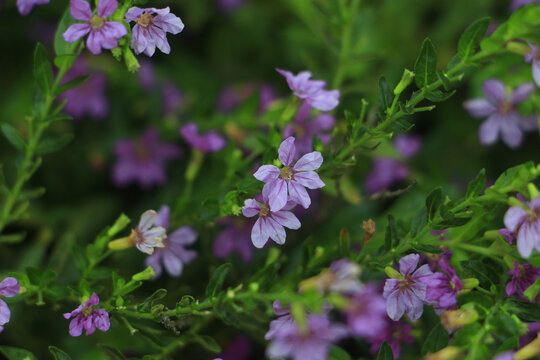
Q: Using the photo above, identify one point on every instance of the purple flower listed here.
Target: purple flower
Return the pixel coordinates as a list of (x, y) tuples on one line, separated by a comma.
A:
[(509, 236), (229, 6), (238, 349), (311, 91), (345, 274), (291, 180), (103, 34), (173, 254), (147, 74), (534, 57), (366, 312), (526, 224), (9, 287), (443, 287), (236, 237), (146, 236), (87, 318), (522, 277), (516, 4), (150, 31), (408, 145), (234, 95), (394, 333), (88, 98), (305, 128), (270, 223), (407, 293), (290, 341), (502, 117), (386, 172), (507, 355), (173, 98), (25, 6), (208, 142), (143, 160)]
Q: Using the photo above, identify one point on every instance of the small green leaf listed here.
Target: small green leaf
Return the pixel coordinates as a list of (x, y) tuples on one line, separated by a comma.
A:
[(425, 67), (62, 47), (433, 203), (58, 354), (71, 84), (439, 96), (385, 95), (427, 249), (444, 79), (436, 340), (477, 185), (418, 223), (470, 40), (218, 278), (390, 237), (385, 352), (42, 69), (526, 311), (13, 353), (13, 136), (112, 352), (337, 353), (51, 145)]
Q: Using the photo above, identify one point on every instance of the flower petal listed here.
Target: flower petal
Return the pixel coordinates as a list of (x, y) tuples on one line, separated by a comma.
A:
[(309, 162), (76, 326), (407, 264), (287, 219), (184, 235), (394, 306), (259, 235), (525, 241), (277, 194), (275, 230), (5, 313), (75, 32), (494, 90), (9, 287), (251, 208), (324, 100), (489, 130), (309, 179), (522, 92), (299, 194), (267, 173), (106, 7), (287, 151), (147, 220), (510, 132), (479, 108), (80, 10), (154, 261), (536, 72), (173, 264)]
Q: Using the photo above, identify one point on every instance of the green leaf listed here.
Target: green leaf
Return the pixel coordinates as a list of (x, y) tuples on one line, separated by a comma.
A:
[(532, 290), (47, 146), (71, 84), (433, 203), (436, 340), (13, 136), (112, 352), (13, 353), (337, 353), (385, 352), (12, 238), (206, 341), (42, 69), (444, 79), (477, 185), (62, 47), (425, 67), (470, 40), (427, 249), (526, 311), (58, 354), (218, 278), (418, 223), (386, 96), (390, 237), (438, 95), (516, 178)]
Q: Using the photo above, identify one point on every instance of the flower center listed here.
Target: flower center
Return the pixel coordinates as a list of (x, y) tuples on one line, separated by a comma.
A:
[(265, 210), (505, 107), (405, 284), (136, 236), (96, 23), (141, 151), (286, 173), (87, 311), (145, 20)]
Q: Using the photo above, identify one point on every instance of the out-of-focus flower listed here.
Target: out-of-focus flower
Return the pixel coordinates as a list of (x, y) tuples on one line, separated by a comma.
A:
[(342, 276), (507, 355), (229, 6), (234, 95), (502, 117), (103, 33), (173, 254), (443, 287), (394, 333), (173, 98), (150, 31), (534, 58), (9, 287), (522, 277), (386, 172), (291, 180), (311, 91), (236, 237), (238, 349), (516, 4), (25, 6), (525, 223), (366, 312), (407, 292), (147, 74), (455, 319), (87, 318), (408, 145), (211, 141), (270, 224), (88, 98), (143, 160), (305, 128)]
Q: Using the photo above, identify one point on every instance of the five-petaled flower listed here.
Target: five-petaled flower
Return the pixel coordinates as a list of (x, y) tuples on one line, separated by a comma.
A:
[(9, 287), (291, 179), (87, 318), (150, 31), (311, 91), (525, 223), (103, 33), (502, 116)]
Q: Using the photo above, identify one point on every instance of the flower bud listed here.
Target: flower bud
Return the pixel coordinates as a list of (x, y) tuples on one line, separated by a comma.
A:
[(405, 81), (454, 319), (146, 274)]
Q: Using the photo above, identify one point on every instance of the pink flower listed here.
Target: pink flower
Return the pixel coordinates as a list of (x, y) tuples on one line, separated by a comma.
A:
[(103, 34), (150, 31), (87, 318), (9, 287), (208, 142), (291, 180), (25, 6)]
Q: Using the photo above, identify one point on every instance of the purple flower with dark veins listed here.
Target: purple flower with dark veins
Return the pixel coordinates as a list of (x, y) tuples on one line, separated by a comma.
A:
[(143, 160), (407, 292), (150, 31), (503, 119), (311, 91), (270, 224), (172, 254), (211, 141), (291, 179), (9, 287), (525, 223), (304, 128), (522, 277), (366, 312), (394, 333), (25, 6), (236, 237), (534, 58), (443, 287), (103, 33), (87, 318)]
